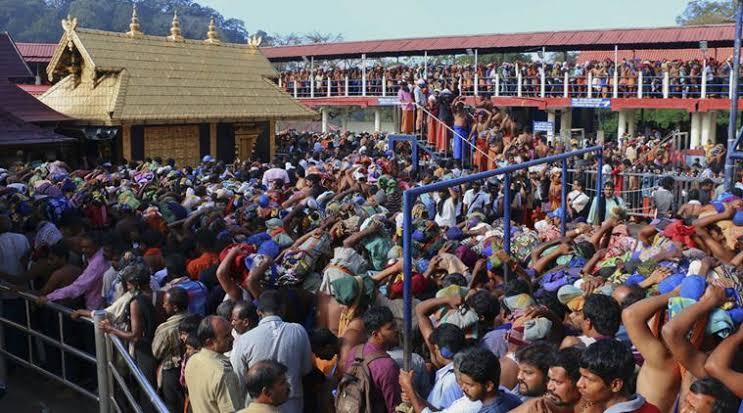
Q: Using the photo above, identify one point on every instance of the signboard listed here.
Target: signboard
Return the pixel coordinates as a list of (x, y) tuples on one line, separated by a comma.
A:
[(548, 127), (595, 103), (388, 101)]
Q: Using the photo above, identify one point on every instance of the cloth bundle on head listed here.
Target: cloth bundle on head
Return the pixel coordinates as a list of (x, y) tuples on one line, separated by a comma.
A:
[(346, 290), (537, 329), (677, 231), (719, 322), (518, 302), (418, 285)]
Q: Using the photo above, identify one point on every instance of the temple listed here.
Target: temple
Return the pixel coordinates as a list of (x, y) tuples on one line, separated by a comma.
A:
[(168, 96)]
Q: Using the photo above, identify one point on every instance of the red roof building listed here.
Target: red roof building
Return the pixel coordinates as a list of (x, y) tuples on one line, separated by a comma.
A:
[(679, 37)]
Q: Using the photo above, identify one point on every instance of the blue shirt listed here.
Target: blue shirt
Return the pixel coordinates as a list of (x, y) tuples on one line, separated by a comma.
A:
[(445, 390), (505, 402)]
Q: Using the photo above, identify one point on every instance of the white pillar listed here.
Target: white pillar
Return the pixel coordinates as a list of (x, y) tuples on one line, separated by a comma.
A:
[(590, 85), (518, 81), (666, 85), (696, 129), (377, 119), (346, 84), (295, 89), (631, 122), (704, 80), (551, 118), (384, 85), (497, 85), (477, 84), (639, 85), (622, 127), (324, 112), (615, 91), (731, 92), (542, 84), (330, 86), (712, 127), (566, 85), (566, 123), (363, 75), (704, 135)]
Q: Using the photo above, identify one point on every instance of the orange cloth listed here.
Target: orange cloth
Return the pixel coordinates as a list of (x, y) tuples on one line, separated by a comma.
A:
[(481, 161), (432, 130), (201, 263), (442, 139), (407, 121)]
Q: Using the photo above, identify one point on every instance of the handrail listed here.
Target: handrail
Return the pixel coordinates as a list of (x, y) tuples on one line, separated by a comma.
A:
[(410, 195), (145, 384), (103, 363)]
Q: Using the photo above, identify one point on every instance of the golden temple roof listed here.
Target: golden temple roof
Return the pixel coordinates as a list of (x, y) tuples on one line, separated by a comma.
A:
[(115, 78)]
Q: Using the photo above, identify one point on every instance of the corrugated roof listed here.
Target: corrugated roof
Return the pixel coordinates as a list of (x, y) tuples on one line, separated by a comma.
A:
[(151, 79), (719, 54), (34, 90), (36, 52), (673, 37), (15, 132), (11, 61)]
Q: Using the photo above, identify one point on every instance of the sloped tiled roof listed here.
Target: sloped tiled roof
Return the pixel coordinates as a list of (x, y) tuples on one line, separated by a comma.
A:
[(151, 79), (11, 61), (36, 52), (720, 53), (15, 132)]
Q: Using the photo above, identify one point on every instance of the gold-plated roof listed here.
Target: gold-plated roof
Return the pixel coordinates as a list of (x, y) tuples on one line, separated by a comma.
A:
[(149, 79)]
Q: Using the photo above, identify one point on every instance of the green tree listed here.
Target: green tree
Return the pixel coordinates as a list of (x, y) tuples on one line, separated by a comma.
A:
[(707, 12)]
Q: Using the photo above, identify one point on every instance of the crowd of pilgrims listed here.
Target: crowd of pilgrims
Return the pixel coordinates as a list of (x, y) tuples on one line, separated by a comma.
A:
[(684, 77), (265, 287)]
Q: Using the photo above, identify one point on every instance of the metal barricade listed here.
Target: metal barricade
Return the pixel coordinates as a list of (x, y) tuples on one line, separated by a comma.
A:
[(111, 377)]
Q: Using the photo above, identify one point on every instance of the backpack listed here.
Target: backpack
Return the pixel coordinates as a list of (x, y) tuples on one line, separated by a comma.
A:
[(354, 388)]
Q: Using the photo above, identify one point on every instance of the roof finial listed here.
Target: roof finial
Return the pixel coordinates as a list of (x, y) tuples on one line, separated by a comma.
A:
[(211, 36), (69, 24), (175, 29), (134, 25), (254, 41)]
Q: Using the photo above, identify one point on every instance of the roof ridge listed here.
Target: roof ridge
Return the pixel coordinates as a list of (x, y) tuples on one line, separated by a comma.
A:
[(164, 39), (414, 38)]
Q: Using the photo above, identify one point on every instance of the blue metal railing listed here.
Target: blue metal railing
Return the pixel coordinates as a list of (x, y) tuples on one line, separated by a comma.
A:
[(411, 195)]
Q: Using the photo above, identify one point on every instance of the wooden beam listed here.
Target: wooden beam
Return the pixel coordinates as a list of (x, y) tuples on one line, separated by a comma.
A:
[(213, 139), (126, 142), (271, 140)]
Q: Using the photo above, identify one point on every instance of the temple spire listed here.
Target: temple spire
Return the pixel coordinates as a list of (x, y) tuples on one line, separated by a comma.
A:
[(175, 29), (134, 25), (211, 36)]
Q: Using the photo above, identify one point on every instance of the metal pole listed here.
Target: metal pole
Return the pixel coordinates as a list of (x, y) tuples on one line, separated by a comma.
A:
[(733, 120), (363, 75), (599, 189), (101, 362), (507, 222), (564, 198), (425, 64), (407, 268), (414, 156)]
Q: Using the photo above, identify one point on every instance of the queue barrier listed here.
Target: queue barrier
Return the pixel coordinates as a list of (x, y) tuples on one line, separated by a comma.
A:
[(409, 197), (121, 385)]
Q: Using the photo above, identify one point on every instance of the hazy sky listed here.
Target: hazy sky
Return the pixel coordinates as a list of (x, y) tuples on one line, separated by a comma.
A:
[(380, 19)]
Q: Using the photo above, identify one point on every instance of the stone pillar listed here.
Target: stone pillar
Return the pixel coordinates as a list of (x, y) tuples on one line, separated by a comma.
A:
[(631, 122), (695, 137), (551, 118), (622, 126), (377, 119), (566, 123), (324, 112)]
